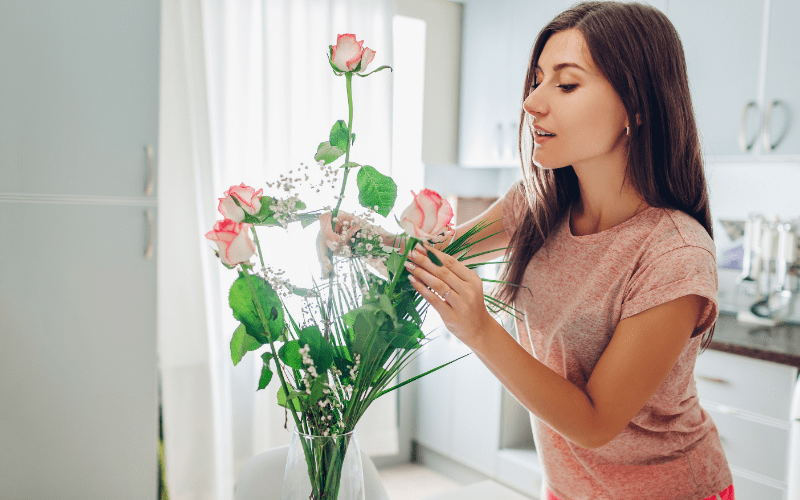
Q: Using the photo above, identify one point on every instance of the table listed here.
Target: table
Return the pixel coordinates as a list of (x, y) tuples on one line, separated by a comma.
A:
[(481, 491)]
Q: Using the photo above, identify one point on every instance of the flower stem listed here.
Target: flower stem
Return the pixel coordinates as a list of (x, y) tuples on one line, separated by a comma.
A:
[(264, 323), (255, 239), (349, 80), (410, 244)]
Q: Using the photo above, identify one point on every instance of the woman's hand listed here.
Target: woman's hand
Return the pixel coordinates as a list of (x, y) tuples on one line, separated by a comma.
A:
[(329, 241), (455, 291)]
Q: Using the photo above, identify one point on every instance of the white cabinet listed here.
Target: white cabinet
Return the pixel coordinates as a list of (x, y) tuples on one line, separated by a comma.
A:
[(783, 73), (458, 414), (749, 401), (79, 414), (497, 40), (79, 86), (78, 95), (738, 64)]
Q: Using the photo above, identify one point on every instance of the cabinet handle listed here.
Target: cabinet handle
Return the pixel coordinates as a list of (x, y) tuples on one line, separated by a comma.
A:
[(711, 379), (743, 144), (148, 222), (768, 118), (150, 172)]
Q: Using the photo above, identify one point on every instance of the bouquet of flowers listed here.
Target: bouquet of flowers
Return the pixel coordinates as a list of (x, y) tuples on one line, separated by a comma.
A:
[(362, 324)]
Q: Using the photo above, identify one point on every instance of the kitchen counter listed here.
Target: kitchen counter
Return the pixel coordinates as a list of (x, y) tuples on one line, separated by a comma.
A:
[(779, 344)]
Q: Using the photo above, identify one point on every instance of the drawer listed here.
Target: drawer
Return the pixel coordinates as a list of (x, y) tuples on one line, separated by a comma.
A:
[(750, 384), (753, 446), (747, 488)]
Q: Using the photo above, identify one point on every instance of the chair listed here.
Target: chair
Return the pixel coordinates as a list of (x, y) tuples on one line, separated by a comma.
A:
[(262, 477)]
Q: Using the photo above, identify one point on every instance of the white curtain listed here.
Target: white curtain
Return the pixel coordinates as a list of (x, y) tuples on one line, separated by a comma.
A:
[(246, 95)]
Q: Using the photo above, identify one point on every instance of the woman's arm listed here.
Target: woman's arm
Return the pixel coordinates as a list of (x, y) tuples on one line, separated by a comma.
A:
[(636, 362), (633, 366), (492, 216)]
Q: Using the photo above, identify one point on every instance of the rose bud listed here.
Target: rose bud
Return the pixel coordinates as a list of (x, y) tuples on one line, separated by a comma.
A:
[(249, 201), (233, 241), (429, 215), (348, 53)]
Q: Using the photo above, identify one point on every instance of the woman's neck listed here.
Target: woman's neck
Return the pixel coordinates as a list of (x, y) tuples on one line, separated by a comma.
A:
[(607, 200)]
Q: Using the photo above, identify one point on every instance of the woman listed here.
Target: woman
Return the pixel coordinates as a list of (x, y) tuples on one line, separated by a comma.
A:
[(610, 240)]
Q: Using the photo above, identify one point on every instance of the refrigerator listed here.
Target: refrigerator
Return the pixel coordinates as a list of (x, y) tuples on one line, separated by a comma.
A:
[(79, 95)]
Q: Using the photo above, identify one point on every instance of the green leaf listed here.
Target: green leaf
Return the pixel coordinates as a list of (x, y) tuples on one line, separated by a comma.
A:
[(290, 355), (266, 376), (394, 264), (327, 153), (419, 376), (293, 401), (317, 388), (321, 351), (241, 343), (386, 306), (244, 309), (434, 258), (376, 189), (266, 202), (338, 137), (343, 365), (353, 138), (406, 336), (375, 71), (350, 164), (304, 292)]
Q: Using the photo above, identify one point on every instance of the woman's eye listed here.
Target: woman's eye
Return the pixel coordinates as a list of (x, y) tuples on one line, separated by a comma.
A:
[(567, 88)]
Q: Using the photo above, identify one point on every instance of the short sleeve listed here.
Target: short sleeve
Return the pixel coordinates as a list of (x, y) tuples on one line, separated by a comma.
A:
[(512, 206), (687, 270)]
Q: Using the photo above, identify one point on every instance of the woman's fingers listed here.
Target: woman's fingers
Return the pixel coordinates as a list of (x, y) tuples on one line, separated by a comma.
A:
[(427, 279), (429, 295)]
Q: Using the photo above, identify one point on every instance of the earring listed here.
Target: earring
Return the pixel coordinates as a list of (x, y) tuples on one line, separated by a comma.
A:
[(627, 131)]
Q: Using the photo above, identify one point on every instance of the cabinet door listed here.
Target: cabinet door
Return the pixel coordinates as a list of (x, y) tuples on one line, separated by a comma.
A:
[(476, 420), (722, 45), (484, 67), (497, 39), (783, 73), (434, 409), (79, 415), (78, 95), (753, 385)]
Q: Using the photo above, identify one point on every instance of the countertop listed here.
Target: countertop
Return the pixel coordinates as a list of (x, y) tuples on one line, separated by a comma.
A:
[(779, 344)]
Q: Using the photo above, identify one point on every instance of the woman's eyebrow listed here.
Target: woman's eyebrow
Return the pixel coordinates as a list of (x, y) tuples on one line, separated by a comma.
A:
[(560, 66)]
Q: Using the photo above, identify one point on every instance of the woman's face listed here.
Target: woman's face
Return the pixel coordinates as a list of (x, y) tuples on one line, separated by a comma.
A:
[(573, 100)]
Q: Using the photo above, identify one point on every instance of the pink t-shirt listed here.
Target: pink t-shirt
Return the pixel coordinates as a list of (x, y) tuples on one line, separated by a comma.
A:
[(581, 287)]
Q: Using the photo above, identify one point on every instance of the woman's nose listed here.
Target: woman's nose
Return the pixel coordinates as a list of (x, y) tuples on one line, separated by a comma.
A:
[(534, 104)]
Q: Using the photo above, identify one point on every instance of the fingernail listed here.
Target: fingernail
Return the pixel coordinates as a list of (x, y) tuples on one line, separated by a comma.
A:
[(407, 264), (412, 279), (416, 254)]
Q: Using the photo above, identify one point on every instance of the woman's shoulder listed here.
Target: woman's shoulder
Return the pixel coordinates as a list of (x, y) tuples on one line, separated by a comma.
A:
[(677, 229)]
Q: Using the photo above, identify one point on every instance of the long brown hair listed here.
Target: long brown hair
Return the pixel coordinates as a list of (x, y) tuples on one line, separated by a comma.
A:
[(638, 50)]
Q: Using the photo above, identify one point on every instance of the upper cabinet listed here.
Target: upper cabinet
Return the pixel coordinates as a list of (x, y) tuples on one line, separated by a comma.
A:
[(497, 40), (79, 97), (782, 93), (743, 67)]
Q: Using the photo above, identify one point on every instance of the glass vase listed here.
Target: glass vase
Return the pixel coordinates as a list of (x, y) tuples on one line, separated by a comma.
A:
[(323, 468)]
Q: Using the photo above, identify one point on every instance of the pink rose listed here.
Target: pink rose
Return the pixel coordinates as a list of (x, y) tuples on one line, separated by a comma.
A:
[(249, 201), (428, 216), (348, 53), (233, 241)]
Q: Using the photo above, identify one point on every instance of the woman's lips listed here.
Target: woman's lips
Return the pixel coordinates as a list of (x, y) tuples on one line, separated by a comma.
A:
[(541, 139)]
